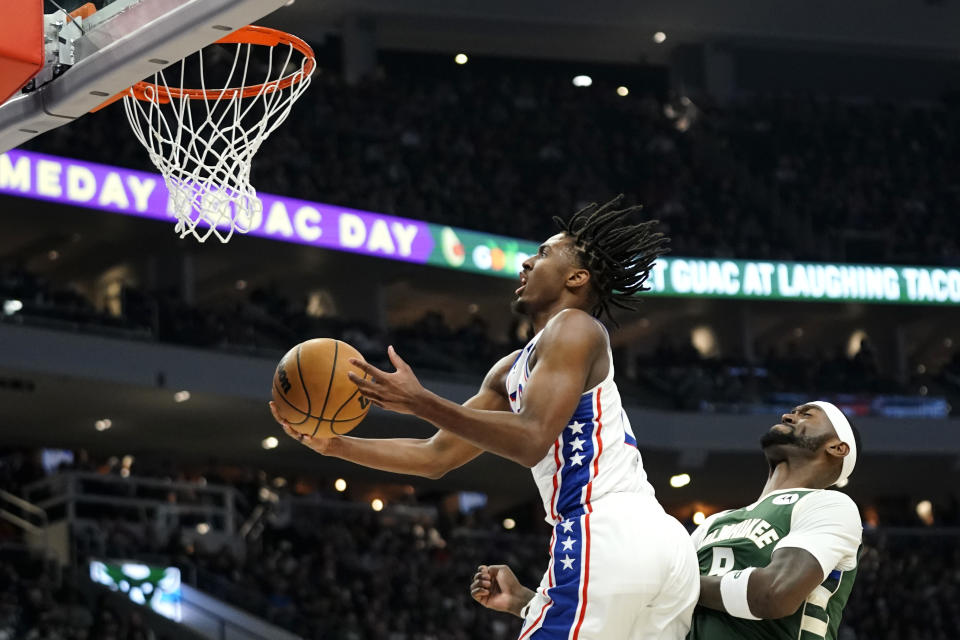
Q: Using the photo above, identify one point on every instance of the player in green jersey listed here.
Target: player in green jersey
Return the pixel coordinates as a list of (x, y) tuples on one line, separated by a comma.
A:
[(780, 568), (783, 567)]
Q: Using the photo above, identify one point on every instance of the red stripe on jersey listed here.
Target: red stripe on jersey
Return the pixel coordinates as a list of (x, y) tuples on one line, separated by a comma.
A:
[(586, 578), (534, 626), (596, 458), (556, 482), (553, 541)]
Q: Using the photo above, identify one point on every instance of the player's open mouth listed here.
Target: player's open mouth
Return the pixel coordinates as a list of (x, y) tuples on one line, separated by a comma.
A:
[(523, 284)]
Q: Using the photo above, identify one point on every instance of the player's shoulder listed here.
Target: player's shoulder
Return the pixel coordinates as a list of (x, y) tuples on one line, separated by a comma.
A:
[(574, 324), (502, 366), (574, 318), (828, 504), (817, 498)]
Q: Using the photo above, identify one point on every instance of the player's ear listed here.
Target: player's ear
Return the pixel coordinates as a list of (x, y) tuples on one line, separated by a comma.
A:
[(578, 278), (839, 449)]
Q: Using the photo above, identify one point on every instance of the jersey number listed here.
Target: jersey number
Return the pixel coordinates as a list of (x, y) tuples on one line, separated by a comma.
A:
[(722, 561)]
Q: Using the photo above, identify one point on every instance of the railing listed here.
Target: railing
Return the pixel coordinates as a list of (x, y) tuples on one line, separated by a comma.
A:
[(306, 504), (7, 498), (219, 621), (40, 531), (44, 317), (81, 499), (162, 503)]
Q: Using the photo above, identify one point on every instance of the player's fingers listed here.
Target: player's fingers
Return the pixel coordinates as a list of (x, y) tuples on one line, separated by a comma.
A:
[(367, 368), (363, 383), (293, 433), (397, 361), (320, 445), (276, 413), (373, 397), (371, 393), (366, 387)]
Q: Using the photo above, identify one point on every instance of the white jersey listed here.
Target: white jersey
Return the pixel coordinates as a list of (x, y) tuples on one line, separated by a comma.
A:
[(596, 453)]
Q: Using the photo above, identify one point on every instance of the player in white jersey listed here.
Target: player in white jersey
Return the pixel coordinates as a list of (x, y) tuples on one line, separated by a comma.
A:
[(620, 567)]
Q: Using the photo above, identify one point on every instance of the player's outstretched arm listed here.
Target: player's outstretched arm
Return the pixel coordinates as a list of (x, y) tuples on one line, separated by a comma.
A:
[(497, 588), (775, 591), (570, 345), (426, 457)]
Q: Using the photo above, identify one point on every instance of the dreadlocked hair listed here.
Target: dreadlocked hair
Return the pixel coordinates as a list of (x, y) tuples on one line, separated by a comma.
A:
[(618, 255)]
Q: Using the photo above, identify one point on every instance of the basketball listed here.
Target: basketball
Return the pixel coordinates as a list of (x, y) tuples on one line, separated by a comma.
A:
[(312, 391)]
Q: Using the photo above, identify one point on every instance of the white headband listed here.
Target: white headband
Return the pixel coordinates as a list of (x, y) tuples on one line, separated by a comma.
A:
[(844, 431)]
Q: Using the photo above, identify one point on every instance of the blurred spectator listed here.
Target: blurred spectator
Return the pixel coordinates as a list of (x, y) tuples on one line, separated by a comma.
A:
[(336, 569), (504, 147), (34, 607), (908, 587), (674, 375), (361, 575)]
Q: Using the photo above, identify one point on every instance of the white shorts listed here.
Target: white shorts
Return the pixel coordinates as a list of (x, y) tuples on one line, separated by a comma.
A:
[(625, 571)]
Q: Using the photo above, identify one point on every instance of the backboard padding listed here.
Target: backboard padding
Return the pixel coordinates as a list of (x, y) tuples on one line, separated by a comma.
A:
[(21, 45)]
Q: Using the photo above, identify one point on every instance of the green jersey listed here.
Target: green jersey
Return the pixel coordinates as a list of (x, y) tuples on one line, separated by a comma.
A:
[(825, 523)]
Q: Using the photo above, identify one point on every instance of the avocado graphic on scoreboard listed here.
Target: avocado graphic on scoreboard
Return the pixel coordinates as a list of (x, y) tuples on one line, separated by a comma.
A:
[(453, 251)]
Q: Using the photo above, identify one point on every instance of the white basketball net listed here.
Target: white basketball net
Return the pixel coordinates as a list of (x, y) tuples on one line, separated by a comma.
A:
[(204, 147)]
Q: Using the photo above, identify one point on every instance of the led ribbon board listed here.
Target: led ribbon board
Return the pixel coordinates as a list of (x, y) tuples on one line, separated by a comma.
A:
[(136, 193)]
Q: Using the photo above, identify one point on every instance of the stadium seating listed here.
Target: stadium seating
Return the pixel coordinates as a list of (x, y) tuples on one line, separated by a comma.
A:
[(504, 148)]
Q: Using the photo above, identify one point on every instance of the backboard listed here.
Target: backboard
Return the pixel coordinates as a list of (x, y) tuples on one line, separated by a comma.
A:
[(94, 50)]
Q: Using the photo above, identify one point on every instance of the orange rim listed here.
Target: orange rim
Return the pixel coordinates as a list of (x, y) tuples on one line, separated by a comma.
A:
[(263, 36)]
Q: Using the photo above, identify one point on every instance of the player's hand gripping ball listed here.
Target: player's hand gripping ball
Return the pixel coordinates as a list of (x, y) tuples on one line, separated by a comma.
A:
[(311, 390)]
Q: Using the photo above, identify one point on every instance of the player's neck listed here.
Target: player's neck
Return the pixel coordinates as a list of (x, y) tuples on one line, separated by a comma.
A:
[(543, 316), (789, 474)]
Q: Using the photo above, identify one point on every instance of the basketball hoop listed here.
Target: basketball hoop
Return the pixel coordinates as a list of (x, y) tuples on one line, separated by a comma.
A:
[(204, 150)]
